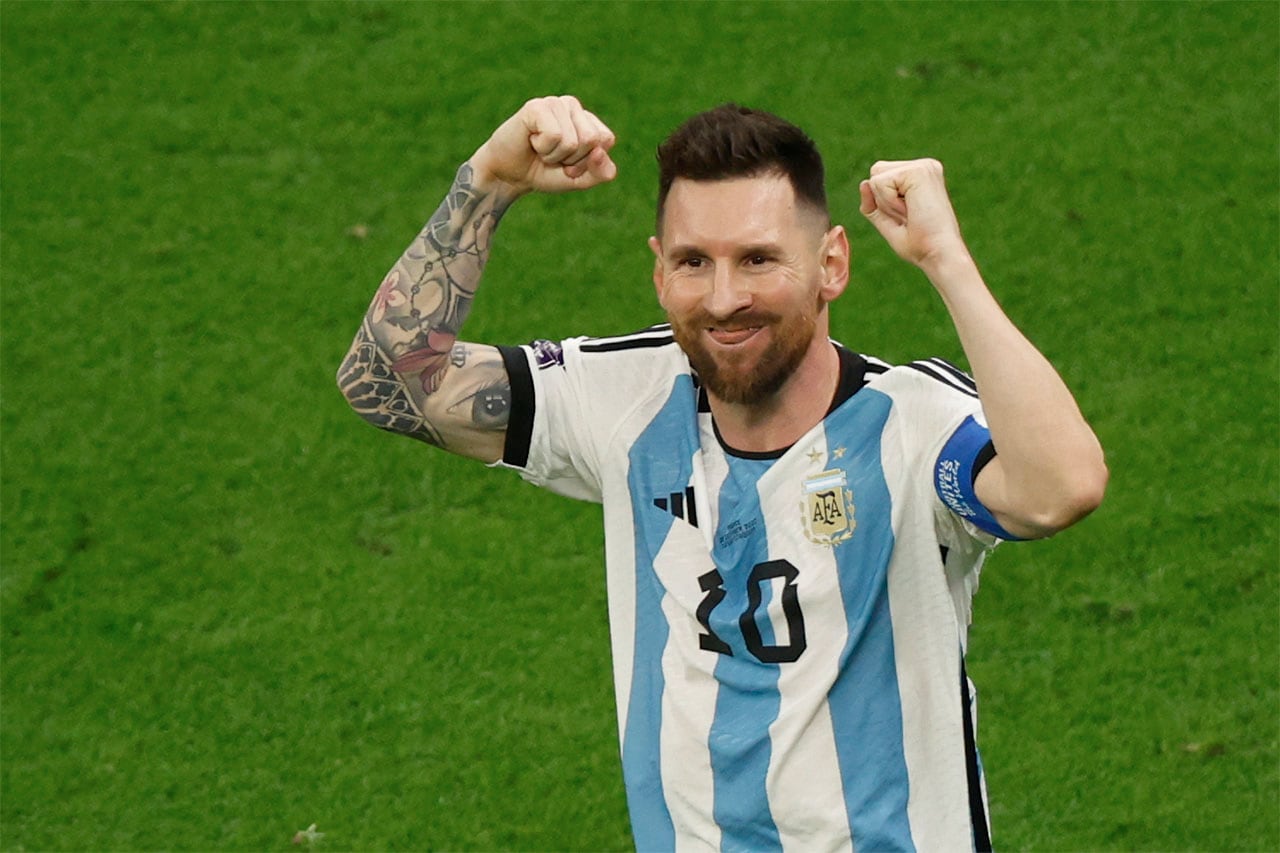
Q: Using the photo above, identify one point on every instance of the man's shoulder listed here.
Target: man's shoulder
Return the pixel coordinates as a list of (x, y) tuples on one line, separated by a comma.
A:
[(615, 371), (643, 341), (651, 350), (649, 356), (928, 375)]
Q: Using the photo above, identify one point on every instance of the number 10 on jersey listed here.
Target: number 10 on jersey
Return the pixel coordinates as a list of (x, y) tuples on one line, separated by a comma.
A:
[(762, 574)]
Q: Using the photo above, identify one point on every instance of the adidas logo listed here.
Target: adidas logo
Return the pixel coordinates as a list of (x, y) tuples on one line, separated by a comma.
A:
[(680, 504)]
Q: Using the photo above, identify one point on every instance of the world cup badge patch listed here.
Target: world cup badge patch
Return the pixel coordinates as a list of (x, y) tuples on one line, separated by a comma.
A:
[(828, 508)]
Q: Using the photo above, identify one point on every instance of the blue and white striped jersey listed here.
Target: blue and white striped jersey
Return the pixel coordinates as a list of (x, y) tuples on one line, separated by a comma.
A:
[(787, 629)]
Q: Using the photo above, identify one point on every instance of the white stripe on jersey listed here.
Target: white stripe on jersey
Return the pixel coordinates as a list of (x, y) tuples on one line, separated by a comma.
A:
[(688, 708), (805, 780), (689, 700), (929, 678)]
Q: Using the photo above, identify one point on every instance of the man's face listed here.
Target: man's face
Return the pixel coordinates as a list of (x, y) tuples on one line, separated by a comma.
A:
[(744, 273)]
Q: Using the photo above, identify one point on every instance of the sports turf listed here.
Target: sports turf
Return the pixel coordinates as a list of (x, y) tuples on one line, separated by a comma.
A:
[(230, 610)]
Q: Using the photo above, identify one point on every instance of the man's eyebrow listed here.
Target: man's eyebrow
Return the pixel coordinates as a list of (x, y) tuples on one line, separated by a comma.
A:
[(771, 250), (688, 250), (685, 250)]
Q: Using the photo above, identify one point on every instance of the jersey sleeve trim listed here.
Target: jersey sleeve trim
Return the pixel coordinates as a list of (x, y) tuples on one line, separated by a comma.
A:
[(948, 374), (654, 336), (520, 424), (963, 457)]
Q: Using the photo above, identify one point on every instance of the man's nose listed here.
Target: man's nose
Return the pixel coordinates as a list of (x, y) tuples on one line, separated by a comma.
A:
[(729, 294)]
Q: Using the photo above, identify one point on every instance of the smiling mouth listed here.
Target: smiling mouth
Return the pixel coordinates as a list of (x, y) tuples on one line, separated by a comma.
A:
[(729, 337)]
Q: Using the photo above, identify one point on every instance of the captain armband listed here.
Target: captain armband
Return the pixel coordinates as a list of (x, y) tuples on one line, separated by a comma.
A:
[(965, 454)]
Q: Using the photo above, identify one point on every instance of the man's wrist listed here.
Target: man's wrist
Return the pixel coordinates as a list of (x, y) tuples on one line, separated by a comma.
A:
[(485, 181), (951, 267)]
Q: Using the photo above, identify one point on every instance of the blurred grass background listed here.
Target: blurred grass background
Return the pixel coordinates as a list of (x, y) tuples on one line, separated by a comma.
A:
[(229, 610)]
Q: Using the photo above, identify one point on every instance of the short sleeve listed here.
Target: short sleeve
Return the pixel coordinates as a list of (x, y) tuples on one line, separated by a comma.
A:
[(551, 438)]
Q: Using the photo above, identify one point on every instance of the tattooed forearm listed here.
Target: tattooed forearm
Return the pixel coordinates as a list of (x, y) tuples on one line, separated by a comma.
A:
[(408, 340), (423, 301), (380, 396)]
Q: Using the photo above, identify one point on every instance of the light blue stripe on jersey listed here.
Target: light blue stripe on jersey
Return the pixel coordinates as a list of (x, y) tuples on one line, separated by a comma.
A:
[(866, 710), (660, 462), (748, 700)]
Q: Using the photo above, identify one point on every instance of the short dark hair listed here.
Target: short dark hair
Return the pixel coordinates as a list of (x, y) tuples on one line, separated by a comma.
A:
[(731, 141)]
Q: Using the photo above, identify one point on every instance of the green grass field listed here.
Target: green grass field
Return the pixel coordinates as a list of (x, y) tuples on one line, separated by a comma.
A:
[(230, 610)]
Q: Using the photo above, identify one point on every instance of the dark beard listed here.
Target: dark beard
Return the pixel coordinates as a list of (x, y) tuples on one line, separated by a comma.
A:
[(745, 384)]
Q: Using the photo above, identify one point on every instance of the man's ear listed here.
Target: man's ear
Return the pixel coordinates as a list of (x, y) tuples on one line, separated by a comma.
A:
[(835, 263), (658, 279)]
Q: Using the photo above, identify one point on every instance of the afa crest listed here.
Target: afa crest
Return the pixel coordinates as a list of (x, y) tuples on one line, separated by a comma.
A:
[(828, 508)]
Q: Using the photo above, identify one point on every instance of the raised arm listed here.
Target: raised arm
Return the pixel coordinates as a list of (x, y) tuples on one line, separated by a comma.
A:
[(406, 371), (1048, 471)]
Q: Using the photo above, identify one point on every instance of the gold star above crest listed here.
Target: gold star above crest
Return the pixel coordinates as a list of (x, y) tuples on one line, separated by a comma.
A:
[(815, 455), (838, 453)]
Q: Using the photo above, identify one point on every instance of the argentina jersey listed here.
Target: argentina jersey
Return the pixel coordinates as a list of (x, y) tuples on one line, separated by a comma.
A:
[(787, 629)]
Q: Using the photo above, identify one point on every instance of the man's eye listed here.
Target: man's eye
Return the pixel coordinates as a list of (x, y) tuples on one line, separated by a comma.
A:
[(693, 263), (758, 260)]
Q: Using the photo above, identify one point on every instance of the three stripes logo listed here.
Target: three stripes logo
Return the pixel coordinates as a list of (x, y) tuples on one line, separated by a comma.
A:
[(680, 504)]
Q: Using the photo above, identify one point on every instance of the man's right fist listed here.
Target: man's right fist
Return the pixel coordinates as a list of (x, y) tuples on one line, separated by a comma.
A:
[(550, 145)]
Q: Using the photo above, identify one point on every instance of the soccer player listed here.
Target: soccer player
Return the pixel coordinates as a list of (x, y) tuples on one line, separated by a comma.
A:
[(794, 531)]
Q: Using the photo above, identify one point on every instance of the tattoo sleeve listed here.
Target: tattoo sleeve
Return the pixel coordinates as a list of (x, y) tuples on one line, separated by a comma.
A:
[(394, 374)]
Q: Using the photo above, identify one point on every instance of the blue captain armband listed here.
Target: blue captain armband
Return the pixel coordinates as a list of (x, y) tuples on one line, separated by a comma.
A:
[(965, 454)]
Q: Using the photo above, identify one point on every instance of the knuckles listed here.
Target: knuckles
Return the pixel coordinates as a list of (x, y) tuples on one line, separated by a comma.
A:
[(887, 169)]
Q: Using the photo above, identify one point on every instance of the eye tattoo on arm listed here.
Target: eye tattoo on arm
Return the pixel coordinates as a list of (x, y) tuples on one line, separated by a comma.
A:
[(490, 405)]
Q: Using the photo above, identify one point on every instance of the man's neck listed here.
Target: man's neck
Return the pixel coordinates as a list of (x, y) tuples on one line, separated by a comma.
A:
[(781, 420)]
